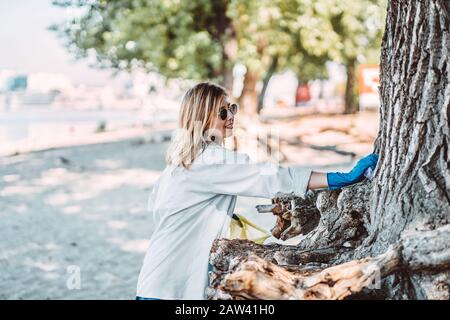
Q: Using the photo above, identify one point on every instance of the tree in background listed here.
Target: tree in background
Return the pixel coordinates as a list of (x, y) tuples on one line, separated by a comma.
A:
[(348, 32), (270, 42), (178, 39), (301, 35), (204, 39)]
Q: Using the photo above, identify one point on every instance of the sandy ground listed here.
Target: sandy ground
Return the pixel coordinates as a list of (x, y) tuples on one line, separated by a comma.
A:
[(85, 206)]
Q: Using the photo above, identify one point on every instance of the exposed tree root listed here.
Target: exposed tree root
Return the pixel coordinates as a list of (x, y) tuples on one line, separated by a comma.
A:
[(257, 275), (328, 218)]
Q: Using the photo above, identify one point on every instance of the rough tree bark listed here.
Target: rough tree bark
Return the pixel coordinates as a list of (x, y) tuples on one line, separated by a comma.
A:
[(388, 238)]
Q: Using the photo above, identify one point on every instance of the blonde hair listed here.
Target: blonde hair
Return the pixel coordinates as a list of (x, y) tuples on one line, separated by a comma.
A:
[(199, 106)]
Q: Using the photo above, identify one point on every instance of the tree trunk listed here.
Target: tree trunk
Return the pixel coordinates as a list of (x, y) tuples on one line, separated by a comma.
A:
[(267, 77), (350, 103), (387, 238), (224, 34), (411, 188), (226, 76), (249, 97)]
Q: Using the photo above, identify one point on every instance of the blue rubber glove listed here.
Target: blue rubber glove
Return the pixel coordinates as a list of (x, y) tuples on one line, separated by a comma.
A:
[(337, 180)]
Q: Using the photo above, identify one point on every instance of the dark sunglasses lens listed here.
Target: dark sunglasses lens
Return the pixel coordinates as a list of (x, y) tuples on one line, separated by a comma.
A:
[(233, 108), (223, 113)]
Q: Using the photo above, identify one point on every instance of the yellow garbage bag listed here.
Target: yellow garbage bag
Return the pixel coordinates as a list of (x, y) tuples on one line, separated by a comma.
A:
[(240, 229)]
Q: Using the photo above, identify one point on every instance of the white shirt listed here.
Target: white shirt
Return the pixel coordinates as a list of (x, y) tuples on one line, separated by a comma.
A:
[(191, 208)]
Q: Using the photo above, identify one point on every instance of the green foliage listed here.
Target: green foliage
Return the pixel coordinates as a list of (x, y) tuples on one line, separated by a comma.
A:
[(267, 30), (176, 38), (345, 30), (188, 39)]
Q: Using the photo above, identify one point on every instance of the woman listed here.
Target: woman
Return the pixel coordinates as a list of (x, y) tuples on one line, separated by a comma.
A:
[(193, 200)]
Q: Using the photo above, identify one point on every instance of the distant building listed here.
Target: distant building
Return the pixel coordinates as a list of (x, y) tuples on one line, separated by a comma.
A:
[(17, 83), (38, 88), (5, 75)]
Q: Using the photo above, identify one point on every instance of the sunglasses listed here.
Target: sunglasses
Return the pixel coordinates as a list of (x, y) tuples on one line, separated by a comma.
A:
[(223, 111)]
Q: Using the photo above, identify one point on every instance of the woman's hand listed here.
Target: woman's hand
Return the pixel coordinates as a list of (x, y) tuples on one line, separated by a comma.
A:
[(337, 180)]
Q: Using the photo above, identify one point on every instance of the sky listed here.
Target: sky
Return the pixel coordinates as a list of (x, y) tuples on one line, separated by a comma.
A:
[(27, 46)]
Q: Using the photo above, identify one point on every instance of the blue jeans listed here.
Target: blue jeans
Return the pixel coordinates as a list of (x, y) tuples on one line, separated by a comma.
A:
[(210, 268)]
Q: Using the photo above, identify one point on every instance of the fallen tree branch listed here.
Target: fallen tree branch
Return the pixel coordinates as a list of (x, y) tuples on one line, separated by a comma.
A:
[(327, 218), (295, 215), (260, 279), (256, 277)]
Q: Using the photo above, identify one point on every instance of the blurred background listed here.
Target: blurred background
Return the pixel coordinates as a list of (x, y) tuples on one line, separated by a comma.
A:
[(89, 98)]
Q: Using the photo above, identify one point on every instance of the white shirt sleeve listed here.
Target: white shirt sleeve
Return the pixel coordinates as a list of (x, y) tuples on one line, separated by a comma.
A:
[(236, 174)]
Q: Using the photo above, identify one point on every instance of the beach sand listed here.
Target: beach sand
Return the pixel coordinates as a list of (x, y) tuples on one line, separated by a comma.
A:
[(85, 207), (89, 212)]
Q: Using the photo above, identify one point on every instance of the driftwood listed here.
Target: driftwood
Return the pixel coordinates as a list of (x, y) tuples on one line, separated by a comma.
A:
[(260, 279), (258, 275), (295, 215), (328, 218)]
